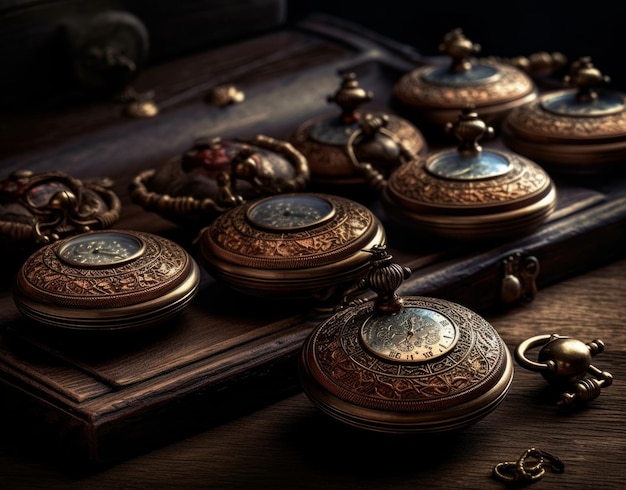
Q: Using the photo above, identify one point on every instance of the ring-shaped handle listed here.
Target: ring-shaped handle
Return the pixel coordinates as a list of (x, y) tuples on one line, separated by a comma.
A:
[(528, 344)]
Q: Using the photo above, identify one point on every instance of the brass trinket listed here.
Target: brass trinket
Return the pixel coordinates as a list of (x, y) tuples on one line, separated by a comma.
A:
[(322, 140), (435, 94), (467, 193), (105, 281), (216, 175), (565, 362), (303, 245), (404, 364), (578, 130)]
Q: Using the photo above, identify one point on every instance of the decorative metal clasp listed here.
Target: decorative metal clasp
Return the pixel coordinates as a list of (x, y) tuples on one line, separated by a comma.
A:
[(565, 362), (530, 467), (519, 275)]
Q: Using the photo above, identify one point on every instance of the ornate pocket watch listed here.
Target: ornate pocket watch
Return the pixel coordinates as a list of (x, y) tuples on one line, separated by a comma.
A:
[(302, 245), (467, 193), (38, 208), (577, 130), (216, 175), (404, 364), (435, 94), (322, 140), (109, 280)]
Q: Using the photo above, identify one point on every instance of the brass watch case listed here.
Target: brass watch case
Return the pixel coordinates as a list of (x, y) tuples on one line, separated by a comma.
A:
[(436, 93), (456, 387), (322, 141), (579, 130), (317, 261), (134, 294), (503, 205)]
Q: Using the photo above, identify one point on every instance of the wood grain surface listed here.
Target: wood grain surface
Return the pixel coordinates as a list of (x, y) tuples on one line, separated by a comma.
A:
[(289, 444)]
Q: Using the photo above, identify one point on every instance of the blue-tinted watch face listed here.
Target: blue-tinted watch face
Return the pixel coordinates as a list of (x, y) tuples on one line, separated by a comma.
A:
[(102, 248), (290, 212)]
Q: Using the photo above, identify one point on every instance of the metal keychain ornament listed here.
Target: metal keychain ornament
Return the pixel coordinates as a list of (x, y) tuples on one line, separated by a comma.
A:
[(565, 362)]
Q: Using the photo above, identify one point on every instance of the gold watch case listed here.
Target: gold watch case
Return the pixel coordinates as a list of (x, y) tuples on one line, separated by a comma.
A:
[(322, 140), (436, 93), (109, 280), (300, 245), (218, 174), (579, 130), (469, 192), (404, 364)]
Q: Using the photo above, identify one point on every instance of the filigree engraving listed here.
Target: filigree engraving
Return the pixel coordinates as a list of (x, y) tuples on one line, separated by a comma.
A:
[(412, 89), (414, 184), (532, 119), (355, 375), (163, 265), (231, 233)]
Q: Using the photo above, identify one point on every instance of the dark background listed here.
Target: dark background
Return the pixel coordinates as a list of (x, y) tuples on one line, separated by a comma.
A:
[(595, 29)]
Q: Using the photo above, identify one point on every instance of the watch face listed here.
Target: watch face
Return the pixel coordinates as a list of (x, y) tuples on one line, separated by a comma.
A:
[(410, 335), (290, 212), (102, 248)]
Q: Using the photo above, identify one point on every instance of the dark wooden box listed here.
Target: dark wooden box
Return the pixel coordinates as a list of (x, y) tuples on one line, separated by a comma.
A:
[(101, 400)]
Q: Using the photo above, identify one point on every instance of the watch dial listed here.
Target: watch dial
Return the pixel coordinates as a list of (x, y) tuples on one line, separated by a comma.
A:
[(101, 249), (290, 212), (410, 335)]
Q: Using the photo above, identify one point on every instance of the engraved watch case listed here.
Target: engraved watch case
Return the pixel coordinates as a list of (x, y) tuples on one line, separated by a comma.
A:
[(302, 245), (468, 192), (322, 141), (404, 364), (105, 281), (218, 174), (577, 130), (436, 93)]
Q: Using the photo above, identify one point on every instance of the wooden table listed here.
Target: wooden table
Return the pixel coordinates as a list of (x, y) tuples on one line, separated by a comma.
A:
[(289, 444)]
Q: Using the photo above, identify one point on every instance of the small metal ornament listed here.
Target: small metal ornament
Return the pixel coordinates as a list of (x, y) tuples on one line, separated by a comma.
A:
[(303, 245), (467, 193), (529, 468), (404, 364), (435, 94), (565, 362), (216, 175), (105, 281), (39, 208), (578, 130), (322, 140)]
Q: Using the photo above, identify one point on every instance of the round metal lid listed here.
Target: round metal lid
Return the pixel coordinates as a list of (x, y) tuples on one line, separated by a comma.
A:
[(106, 280), (322, 140), (404, 364), (218, 174), (291, 245), (577, 130), (470, 193), (438, 93)]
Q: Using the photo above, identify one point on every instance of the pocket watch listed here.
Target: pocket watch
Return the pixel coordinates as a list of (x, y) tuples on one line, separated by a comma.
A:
[(300, 245), (108, 280), (466, 193), (218, 174), (322, 140), (38, 208), (408, 364), (578, 130), (436, 93)]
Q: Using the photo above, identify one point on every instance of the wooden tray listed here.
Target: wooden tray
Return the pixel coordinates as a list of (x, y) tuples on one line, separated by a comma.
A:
[(102, 400)]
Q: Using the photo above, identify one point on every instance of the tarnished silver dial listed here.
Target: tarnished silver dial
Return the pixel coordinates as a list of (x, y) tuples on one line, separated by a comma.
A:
[(290, 212), (410, 335), (103, 248)]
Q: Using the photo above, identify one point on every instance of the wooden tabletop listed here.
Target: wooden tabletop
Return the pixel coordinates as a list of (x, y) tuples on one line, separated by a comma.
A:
[(289, 444)]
